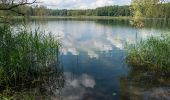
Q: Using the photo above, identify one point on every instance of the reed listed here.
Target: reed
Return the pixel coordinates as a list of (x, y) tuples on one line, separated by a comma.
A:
[(25, 55), (152, 53)]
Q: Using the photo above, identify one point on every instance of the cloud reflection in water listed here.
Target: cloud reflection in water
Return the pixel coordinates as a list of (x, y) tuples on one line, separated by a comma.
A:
[(75, 86), (91, 46), (92, 38)]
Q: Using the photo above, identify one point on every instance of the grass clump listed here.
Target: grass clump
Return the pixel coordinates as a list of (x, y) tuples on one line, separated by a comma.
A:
[(152, 53), (25, 55)]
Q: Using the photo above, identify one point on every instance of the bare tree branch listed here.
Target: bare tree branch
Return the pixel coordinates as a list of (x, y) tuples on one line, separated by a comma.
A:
[(8, 6), (17, 12), (17, 5)]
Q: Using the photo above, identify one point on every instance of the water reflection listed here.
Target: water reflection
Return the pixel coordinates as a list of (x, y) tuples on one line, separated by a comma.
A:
[(75, 87), (93, 60), (97, 35), (92, 43), (142, 84)]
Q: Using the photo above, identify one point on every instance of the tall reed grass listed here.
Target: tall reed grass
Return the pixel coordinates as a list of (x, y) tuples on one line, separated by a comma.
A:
[(152, 53), (25, 55)]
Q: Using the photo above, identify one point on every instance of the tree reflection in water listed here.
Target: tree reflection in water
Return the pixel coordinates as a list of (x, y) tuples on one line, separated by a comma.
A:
[(55, 82), (48, 86), (142, 84)]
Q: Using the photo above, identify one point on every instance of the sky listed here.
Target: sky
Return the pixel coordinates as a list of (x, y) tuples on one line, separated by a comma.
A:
[(82, 4)]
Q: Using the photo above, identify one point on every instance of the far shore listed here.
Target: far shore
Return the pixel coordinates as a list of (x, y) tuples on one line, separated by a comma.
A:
[(85, 17), (76, 17)]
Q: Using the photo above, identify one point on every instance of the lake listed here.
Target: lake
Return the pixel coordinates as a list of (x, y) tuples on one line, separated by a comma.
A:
[(92, 60)]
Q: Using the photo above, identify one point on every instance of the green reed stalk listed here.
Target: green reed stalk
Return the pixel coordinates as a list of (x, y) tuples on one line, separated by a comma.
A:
[(25, 55), (153, 53)]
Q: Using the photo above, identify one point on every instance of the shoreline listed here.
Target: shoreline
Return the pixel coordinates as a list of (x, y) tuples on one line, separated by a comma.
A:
[(85, 17), (75, 17)]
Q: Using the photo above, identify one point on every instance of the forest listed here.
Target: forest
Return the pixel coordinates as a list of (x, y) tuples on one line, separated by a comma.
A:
[(115, 11), (100, 11)]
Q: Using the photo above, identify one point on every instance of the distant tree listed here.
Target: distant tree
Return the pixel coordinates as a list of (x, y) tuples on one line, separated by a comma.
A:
[(147, 9)]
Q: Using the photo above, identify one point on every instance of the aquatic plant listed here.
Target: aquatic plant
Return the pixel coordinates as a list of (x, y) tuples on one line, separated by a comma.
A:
[(153, 53), (25, 55)]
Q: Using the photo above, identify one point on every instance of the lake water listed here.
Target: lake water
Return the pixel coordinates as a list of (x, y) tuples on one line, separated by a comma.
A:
[(93, 61)]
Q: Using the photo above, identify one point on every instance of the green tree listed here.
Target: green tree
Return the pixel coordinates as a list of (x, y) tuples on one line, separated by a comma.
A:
[(146, 9)]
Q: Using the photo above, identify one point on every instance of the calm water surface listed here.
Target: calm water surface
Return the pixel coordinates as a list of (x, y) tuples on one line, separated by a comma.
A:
[(93, 61)]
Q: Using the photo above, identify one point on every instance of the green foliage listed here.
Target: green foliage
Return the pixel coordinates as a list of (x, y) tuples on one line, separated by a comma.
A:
[(138, 9), (153, 53), (25, 55), (101, 11), (148, 9)]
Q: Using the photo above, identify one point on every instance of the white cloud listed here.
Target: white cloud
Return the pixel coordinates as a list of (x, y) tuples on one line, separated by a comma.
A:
[(116, 41), (75, 87), (92, 54), (81, 37), (73, 51)]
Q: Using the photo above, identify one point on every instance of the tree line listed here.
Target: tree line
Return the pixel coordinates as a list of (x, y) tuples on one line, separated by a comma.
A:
[(40, 10), (100, 11), (160, 11)]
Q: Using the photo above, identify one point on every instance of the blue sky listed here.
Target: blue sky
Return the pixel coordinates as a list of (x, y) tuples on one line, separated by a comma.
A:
[(82, 4)]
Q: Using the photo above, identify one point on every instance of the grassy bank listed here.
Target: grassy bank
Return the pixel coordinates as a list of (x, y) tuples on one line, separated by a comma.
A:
[(153, 53), (25, 56)]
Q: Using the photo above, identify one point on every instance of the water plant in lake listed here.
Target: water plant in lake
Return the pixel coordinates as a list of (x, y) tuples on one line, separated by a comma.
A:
[(25, 55), (153, 53)]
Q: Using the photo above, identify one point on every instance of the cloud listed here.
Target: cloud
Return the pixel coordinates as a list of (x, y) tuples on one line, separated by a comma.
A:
[(83, 80), (82, 4), (75, 87), (116, 41), (90, 38), (92, 54)]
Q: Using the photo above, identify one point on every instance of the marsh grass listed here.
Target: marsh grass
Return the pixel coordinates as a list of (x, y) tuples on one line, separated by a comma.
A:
[(25, 56), (153, 53)]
